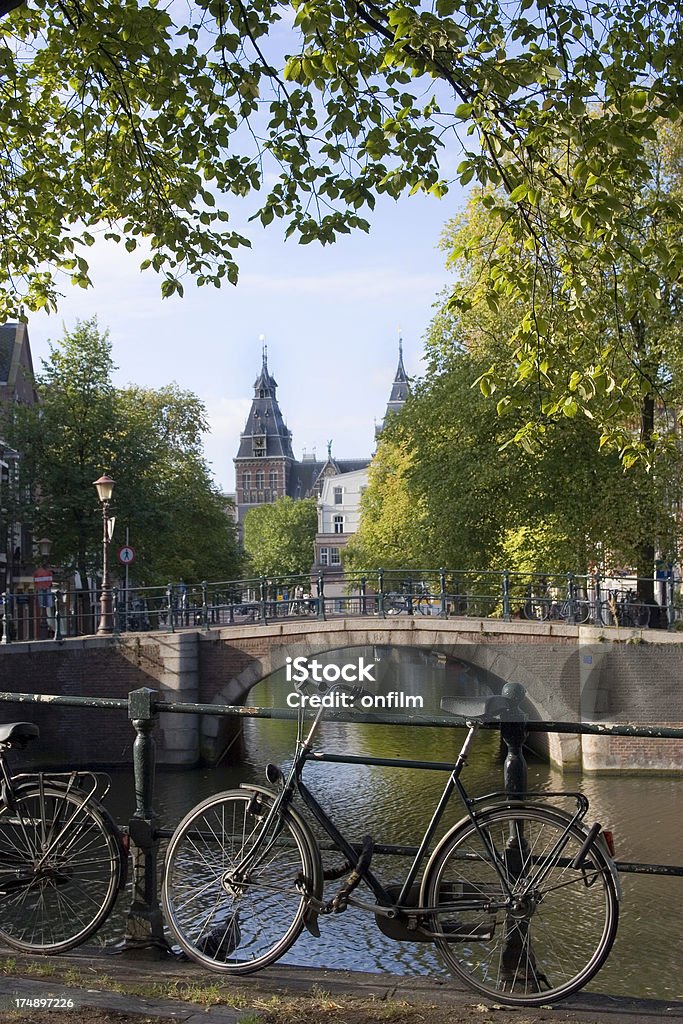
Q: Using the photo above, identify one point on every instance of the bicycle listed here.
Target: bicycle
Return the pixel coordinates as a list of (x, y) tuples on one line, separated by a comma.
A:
[(624, 610), (63, 860), (544, 608), (519, 898), (418, 602)]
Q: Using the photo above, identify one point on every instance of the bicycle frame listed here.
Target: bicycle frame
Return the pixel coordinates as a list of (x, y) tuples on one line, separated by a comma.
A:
[(294, 784)]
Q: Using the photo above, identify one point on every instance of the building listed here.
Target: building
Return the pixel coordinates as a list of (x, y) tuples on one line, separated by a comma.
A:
[(17, 387), (265, 466)]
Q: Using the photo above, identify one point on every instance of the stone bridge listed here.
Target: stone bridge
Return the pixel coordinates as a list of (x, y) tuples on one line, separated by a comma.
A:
[(571, 673)]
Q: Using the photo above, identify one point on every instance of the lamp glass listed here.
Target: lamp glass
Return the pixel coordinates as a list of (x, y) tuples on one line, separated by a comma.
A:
[(105, 486), (44, 545)]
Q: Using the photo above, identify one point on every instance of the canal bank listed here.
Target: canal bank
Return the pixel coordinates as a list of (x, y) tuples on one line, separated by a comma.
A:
[(129, 990)]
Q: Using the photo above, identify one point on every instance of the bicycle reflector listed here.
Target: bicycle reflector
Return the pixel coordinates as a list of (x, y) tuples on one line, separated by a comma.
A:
[(609, 840)]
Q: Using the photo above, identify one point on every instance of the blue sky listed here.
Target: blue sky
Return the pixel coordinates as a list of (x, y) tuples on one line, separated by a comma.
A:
[(330, 317)]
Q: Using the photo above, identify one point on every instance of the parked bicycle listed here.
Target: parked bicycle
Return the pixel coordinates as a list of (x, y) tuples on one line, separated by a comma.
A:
[(411, 600), (624, 608), (519, 898), (544, 606), (63, 861)]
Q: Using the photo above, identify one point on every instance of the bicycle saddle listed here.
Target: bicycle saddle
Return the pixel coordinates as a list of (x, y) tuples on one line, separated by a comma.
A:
[(497, 707), (18, 732)]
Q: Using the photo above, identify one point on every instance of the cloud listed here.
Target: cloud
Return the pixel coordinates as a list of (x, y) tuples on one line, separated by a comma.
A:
[(359, 284)]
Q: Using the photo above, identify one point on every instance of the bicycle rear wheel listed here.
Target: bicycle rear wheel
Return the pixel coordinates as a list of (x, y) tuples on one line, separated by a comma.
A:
[(61, 868), (233, 889), (516, 921)]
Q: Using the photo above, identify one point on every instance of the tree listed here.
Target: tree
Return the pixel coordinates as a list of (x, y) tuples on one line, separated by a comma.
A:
[(118, 118), (150, 442), (446, 489), (279, 538)]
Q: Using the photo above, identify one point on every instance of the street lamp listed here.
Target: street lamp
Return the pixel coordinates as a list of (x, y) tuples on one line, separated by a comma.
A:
[(105, 486)]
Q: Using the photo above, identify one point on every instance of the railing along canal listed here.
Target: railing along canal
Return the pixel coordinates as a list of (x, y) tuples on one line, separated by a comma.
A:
[(144, 923), (601, 599)]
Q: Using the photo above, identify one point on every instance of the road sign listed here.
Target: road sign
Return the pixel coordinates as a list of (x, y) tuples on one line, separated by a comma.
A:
[(126, 554), (42, 578)]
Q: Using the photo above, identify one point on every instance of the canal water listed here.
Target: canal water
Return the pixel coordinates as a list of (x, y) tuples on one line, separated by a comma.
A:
[(393, 805)]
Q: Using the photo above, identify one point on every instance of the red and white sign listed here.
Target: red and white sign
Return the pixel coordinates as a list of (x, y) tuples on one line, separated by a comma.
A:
[(126, 554), (42, 579)]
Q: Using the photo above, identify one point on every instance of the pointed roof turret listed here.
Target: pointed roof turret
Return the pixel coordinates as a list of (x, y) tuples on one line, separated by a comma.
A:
[(399, 390), (265, 433)]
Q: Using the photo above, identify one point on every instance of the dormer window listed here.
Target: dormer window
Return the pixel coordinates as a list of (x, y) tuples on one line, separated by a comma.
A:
[(259, 445)]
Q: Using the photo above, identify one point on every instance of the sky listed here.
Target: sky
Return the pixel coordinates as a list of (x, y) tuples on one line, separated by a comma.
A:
[(330, 317)]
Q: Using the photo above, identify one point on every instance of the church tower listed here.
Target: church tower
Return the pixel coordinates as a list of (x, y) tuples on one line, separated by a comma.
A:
[(399, 391), (265, 458)]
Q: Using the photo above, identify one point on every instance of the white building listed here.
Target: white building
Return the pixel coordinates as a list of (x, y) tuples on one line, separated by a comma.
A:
[(338, 519)]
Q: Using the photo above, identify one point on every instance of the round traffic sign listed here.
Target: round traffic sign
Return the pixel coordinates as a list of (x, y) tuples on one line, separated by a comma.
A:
[(126, 554)]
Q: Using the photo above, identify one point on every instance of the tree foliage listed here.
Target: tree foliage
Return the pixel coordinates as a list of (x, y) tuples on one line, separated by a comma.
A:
[(447, 488), (149, 441), (279, 538), (133, 118)]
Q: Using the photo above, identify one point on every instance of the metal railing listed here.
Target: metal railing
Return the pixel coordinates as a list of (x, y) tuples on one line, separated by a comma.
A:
[(144, 922), (596, 599)]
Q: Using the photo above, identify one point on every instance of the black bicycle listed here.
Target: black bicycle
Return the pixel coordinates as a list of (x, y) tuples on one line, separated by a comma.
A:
[(63, 860), (520, 899), (624, 608)]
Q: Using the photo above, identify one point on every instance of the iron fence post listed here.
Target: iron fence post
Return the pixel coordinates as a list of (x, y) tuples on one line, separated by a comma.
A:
[(670, 595), (571, 596), (170, 626), (596, 588), (205, 606), (507, 615), (263, 596), (57, 598), (321, 595), (144, 924), (443, 611), (4, 618), (363, 596), (380, 593), (115, 612)]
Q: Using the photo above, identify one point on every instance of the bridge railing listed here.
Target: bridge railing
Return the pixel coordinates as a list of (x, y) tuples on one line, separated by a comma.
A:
[(144, 920), (594, 598)]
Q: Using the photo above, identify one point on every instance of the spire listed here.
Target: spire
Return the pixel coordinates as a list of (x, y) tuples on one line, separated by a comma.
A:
[(265, 433), (399, 389)]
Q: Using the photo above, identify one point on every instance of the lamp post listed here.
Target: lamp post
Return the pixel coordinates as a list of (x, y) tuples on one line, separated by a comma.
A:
[(105, 486)]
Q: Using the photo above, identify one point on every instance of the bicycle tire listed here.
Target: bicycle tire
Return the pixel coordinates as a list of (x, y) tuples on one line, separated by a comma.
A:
[(393, 604), (607, 616), (61, 868), (538, 609), (238, 925), (547, 940), (639, 614), (582, 612), (422, 605)]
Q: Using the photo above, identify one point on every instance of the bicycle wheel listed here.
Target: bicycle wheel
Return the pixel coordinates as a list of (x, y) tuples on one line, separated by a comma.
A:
[(61, 866), (639, 614), (538, 609), (517, 922), (232, 889), (607, 614), (393, 604), (422, 605), (582, 611)]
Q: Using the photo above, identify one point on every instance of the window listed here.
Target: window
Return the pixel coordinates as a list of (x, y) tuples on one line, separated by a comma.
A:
[(260, 479), (272, 480), (259, 445), (329, 556), (338, 524), (338, 495), (246, 481)]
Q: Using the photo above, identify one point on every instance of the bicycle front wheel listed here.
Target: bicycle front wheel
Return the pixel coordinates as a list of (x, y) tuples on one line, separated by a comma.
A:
[(515, 920), (234, 890), (60, 869)]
